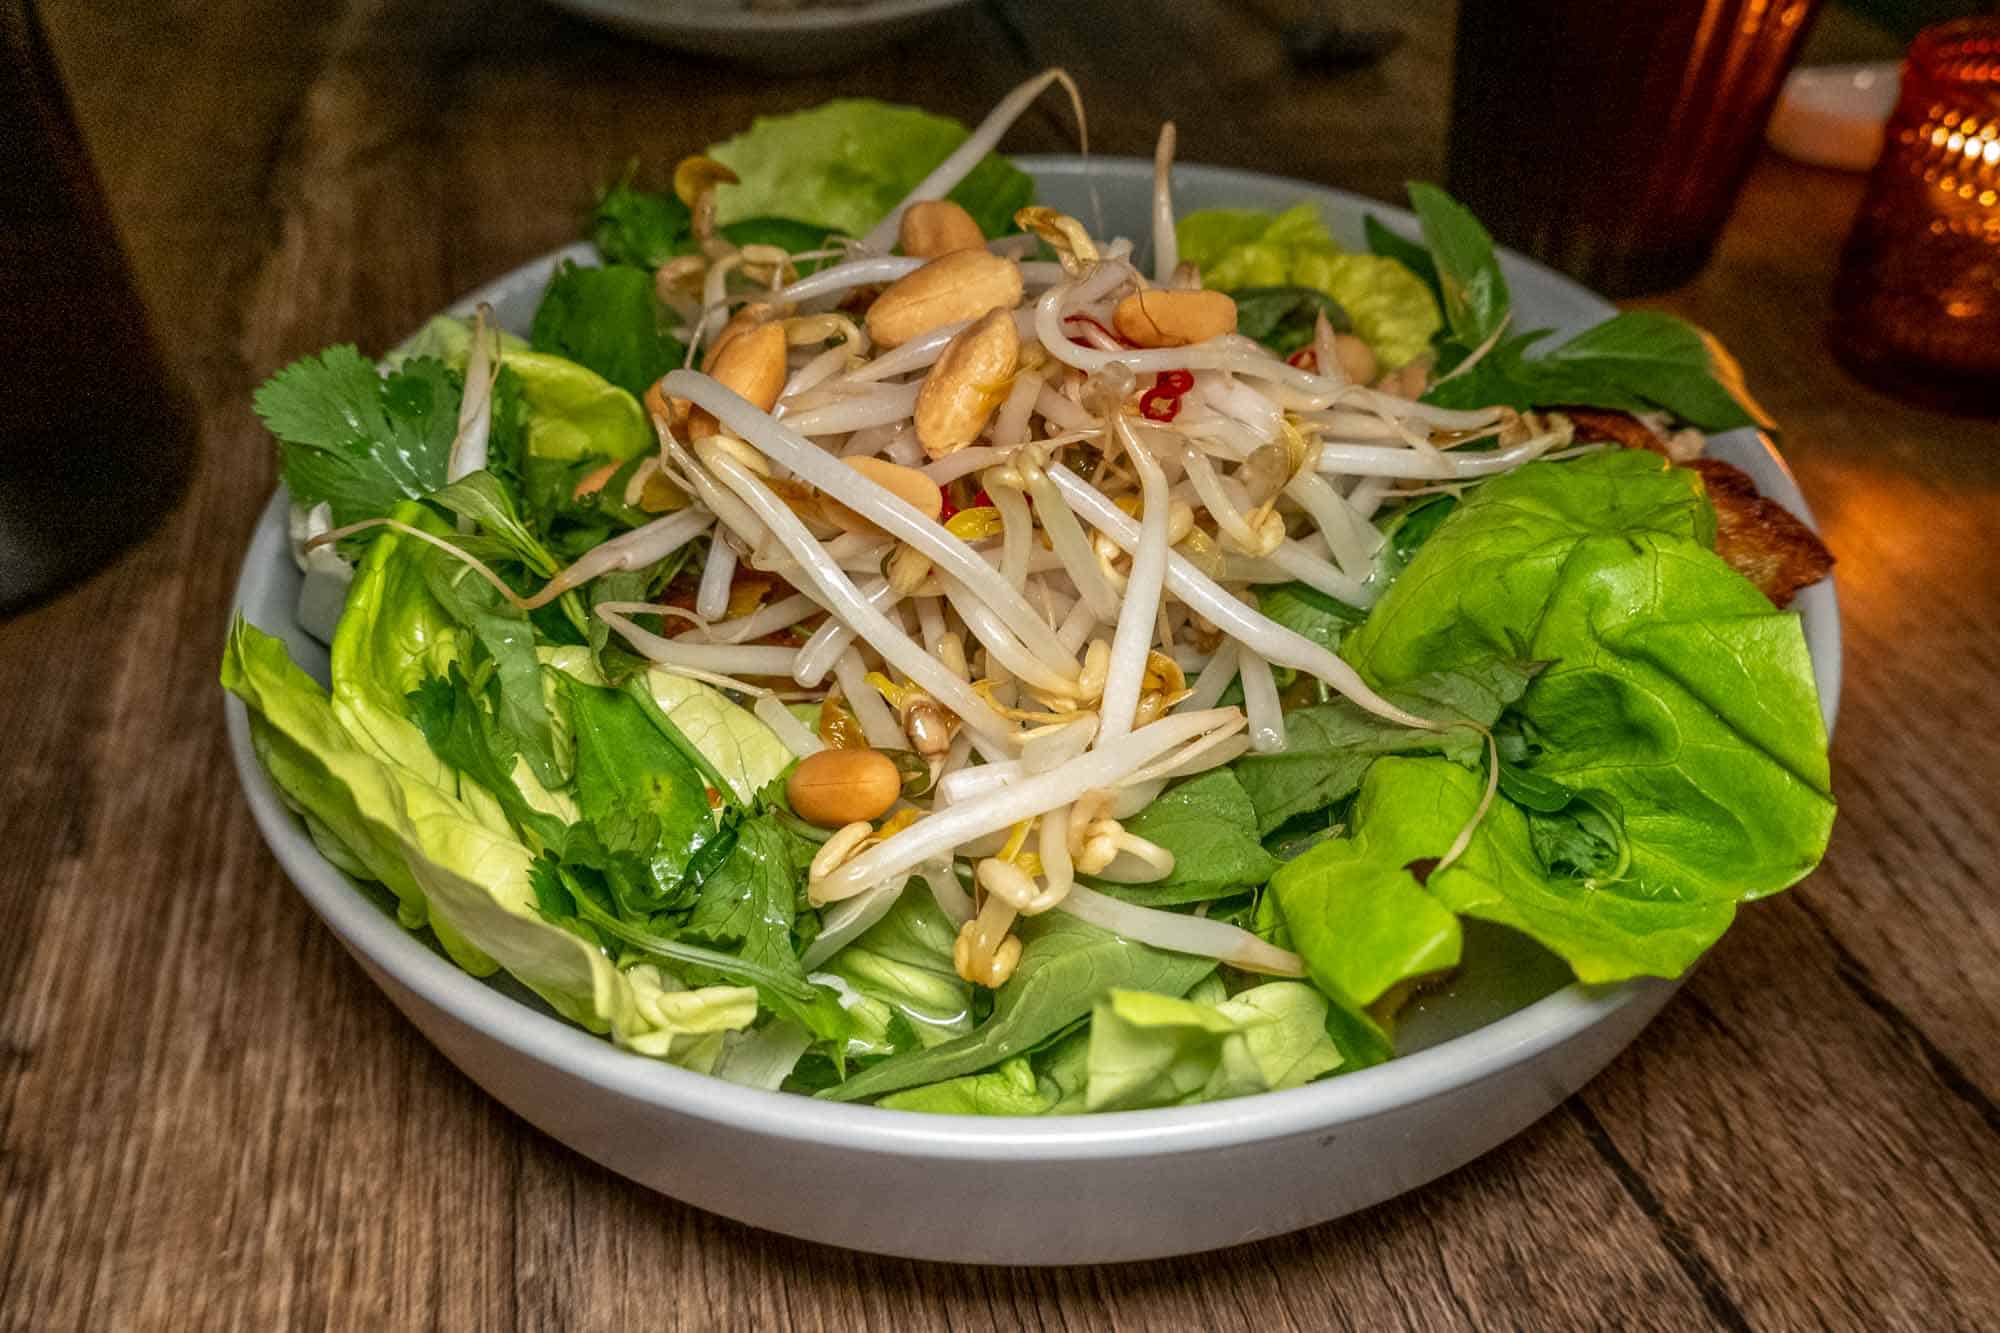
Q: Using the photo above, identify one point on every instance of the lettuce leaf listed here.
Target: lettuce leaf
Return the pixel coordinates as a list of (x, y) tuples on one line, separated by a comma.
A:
[(1157, 1050), (900, 970), (844, 164), (1389, 307), (1066, 966), (1674, 687), (743, 751), (1142, 1049), (469, 883)]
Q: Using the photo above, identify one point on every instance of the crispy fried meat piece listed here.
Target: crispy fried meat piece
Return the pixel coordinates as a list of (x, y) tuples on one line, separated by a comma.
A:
[(1759, 538), (1595, 424)]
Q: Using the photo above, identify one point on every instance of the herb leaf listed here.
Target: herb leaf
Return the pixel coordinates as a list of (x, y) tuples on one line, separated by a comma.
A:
[(1209, 825), (1066, 966), (607, 320), (1283, 318), (355, 439), (1476, 300)]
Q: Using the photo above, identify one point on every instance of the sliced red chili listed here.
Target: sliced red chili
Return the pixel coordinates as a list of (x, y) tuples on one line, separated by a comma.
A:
[(1306, 358), (1162, 402)]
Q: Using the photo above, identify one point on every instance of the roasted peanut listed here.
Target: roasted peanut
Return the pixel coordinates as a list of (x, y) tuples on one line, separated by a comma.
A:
[(1173, 318), (933, 227), (961, 285), (746, 318), (967, 383), (753, 364), (905, 483), (834, 788), (1356, 360)]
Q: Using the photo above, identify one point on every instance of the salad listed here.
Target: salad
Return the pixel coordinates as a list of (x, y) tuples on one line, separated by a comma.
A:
[(876, 637)]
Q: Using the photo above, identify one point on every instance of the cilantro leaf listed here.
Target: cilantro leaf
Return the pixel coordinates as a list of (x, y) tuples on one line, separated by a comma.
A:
[(355, 439), (631, 226)]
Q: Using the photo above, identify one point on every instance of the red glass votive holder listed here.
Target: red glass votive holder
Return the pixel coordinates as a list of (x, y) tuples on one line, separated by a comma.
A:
[(1917, 302)]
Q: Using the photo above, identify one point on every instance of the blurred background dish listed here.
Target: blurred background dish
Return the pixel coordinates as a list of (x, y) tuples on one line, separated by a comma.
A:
[(791, 36), (1832, 115)]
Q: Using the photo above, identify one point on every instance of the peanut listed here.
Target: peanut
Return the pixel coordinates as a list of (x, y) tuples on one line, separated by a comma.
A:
[(967, 383), (834, 788), (933, 227), (1173, 318), (905, 483), (961, 285), (753, 364), (1356, 360), (745, 319)]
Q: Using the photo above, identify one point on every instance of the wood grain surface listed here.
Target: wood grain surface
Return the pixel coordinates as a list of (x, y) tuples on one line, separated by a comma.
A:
[(210, 1119)]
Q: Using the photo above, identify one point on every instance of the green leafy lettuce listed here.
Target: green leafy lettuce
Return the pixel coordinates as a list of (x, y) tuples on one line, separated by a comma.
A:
[(1674, 693), (844, 164), (1144, 1049), (1389, 307), (470, 884)]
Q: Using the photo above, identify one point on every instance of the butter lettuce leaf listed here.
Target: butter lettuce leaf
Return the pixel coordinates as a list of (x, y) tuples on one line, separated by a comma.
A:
[(1389, 307), (1157, 1050), (900, 970), (844, 164), (1673, 687), (469, 883), (743, 751)]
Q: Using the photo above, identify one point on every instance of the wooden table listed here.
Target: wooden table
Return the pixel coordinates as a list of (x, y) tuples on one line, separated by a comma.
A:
[(209, 1118)]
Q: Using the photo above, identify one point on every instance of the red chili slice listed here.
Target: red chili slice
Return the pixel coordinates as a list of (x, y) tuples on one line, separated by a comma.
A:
[(1162, 402), (1306, 358)]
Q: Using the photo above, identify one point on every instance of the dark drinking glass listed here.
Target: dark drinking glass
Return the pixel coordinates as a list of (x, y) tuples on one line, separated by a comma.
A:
[(1608, 138), (95, 437)]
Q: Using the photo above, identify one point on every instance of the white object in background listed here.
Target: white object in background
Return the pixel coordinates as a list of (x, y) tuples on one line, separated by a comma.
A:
[(1832, 115)]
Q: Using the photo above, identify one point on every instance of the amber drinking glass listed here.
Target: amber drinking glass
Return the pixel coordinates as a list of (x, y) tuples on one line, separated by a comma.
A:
[(1917, 303), (1608, 138)]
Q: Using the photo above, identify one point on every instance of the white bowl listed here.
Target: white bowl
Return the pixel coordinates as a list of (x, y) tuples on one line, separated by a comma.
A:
[(1484, 1058), (817, 36)]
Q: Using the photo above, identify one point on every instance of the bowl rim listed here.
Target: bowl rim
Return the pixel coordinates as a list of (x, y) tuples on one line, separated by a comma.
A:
[(380, 941)]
